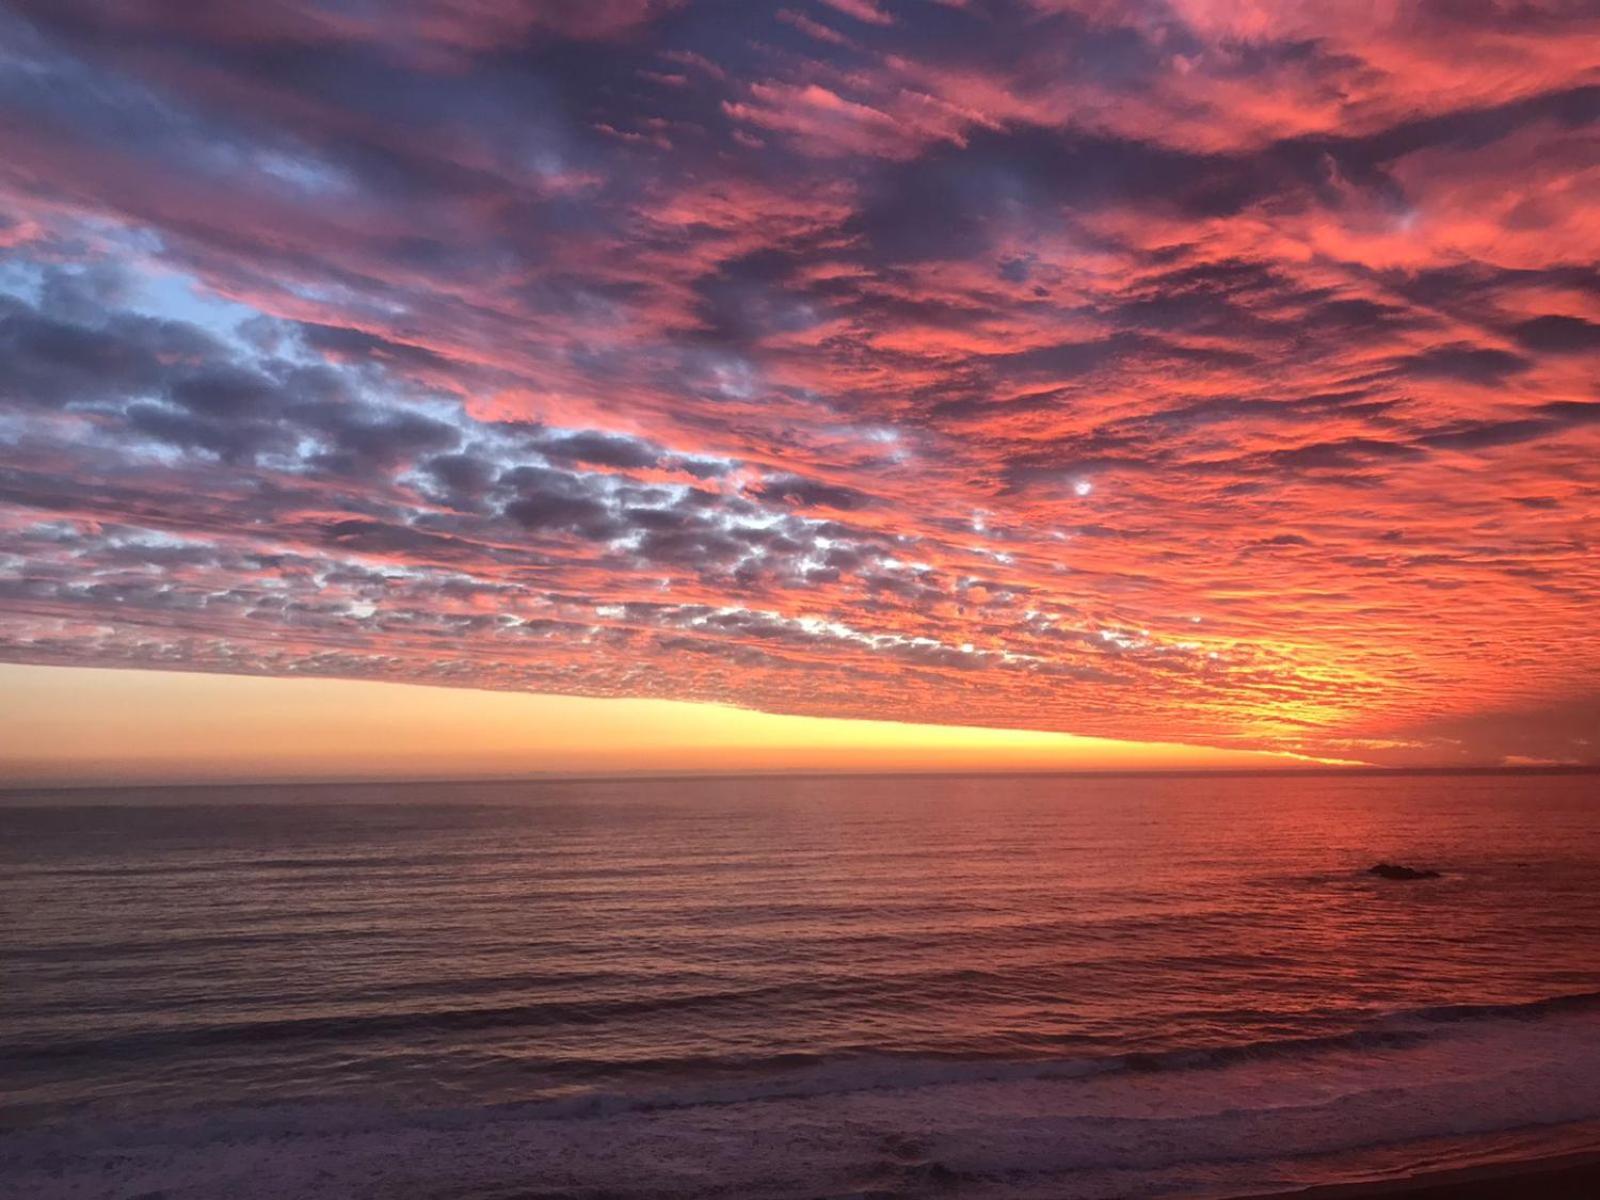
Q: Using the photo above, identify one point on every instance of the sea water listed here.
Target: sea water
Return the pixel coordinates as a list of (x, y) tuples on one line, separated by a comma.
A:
[(802, 987)]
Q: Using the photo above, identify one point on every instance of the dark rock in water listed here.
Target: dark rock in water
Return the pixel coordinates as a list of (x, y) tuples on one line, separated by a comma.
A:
[(1393, 871)]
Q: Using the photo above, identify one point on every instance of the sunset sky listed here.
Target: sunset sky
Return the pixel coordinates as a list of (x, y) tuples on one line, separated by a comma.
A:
[(1212, 373)]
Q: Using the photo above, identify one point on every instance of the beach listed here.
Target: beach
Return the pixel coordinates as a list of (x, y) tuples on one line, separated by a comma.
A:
[(1569, 1177)]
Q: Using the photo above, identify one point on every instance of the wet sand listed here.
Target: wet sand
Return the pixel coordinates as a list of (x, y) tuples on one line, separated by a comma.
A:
[(1569, 1177)]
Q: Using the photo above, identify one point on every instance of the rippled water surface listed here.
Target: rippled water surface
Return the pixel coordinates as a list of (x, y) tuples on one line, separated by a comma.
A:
[(967, 982)]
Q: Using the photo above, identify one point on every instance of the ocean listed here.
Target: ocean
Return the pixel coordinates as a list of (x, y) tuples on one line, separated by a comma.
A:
[(799, 987)]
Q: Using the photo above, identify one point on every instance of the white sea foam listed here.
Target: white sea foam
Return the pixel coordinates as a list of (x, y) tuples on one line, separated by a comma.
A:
[(1489, 1084)]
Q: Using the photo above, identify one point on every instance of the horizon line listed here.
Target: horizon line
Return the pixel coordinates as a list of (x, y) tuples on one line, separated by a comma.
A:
[(1314, 770)]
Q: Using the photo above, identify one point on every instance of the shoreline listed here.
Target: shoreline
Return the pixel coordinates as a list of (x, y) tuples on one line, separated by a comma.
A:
[(1571, 1176)]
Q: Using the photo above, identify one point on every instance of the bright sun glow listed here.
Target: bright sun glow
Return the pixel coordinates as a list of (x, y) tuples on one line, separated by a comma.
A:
[(88, 725)]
